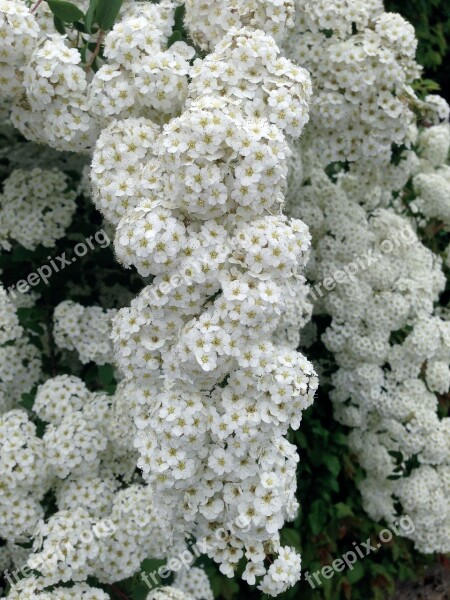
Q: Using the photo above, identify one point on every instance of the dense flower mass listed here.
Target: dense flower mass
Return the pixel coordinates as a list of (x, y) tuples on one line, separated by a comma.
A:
[(259, 207), (209, 21), (20, 362), (205, 227), (35, 208), (85, 329), (362, 63), (18, 35), (392, 283)]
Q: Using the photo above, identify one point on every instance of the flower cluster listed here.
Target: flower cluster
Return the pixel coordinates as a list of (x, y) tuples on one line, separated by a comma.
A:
[(118, 161), (209, 21), (140, 76), (362, 64), (18, 35), (55, 91), (194, 582), (168, 593), (192, 157), (391, 348), (20, 362), (33, 588), (36, 207), (199, 204), (246, 66), (83, 457), (24, 476), (432, 182), (85, 329)]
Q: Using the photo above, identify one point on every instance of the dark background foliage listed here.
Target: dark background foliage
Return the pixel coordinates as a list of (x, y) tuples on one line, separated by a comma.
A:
[(431, 19)]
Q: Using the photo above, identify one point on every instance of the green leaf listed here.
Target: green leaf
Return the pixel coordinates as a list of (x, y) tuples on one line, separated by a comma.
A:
[(317, 516), (105, 374), (356, 573), (59, 25), (328, 482), (106, 13), (342, 510), (80, 27), (175, 37), (90, 15), (340, 439), (333, 464), (40, 428), (300, 438), (149, 565), (290, 537), (66, 11), (140, 592), (179, 15), (83, 51), (27, 400), (229, 589), (20, 254)]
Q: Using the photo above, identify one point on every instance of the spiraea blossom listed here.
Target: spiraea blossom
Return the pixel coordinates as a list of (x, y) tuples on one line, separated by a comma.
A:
[(146, 400), (18, 36), (55, 91), (386, 282), (20, 361), (33, 588), (432, 181), (362, 61), (85, 329), (84, 460), (36, 207), (209, 21), (142, 76), (211, 434)]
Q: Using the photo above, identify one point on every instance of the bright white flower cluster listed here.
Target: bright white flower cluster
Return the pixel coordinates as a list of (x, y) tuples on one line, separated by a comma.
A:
[(24, 476), (206, 397), (362, 64), (140, 76), (168, 593), (60, 396), (94, 547), (55, 92), (84, 458), (194, 582), (78, 540), (432, 183), (247, 67), (85, 329), (36, 207), (190, 167), (211, 435), (284, 571), (379, 388), (20, 363), (208, 21), (118, 162), (33, 588), (18, 35)]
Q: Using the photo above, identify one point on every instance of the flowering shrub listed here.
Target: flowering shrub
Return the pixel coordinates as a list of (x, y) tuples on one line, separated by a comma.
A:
[(197, 200)]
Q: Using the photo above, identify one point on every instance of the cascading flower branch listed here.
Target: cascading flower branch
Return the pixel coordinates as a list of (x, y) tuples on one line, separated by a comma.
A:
[(213, 397)]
